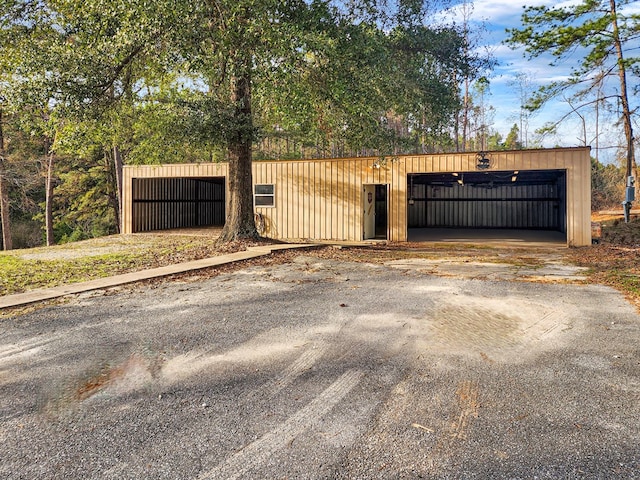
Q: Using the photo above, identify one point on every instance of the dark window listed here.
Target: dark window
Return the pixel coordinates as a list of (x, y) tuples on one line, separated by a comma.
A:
[(264, 195)]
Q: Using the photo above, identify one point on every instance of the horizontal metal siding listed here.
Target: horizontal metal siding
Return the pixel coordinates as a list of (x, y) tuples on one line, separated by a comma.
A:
[(166, 203), (521, 207)]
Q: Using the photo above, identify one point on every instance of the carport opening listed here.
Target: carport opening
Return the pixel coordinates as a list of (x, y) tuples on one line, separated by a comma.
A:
[(168, 203), (491, 204)]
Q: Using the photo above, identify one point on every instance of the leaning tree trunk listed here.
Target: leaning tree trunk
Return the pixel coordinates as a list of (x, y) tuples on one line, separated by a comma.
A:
[(48, 214), (5, 219), (117, 167), (240, 222), (626, 115)]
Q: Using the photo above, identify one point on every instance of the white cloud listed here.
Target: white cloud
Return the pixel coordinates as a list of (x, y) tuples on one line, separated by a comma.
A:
[(497, 11), (509, 11)]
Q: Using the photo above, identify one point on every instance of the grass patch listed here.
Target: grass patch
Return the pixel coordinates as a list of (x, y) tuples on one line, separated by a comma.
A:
[(629, 282), (18, 275), (28, 269)]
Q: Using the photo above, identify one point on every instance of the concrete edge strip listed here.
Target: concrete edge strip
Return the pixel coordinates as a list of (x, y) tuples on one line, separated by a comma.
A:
[(42, 294)]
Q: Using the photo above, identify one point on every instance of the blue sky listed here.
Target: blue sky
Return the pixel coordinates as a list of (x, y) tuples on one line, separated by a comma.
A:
[(498, 15)]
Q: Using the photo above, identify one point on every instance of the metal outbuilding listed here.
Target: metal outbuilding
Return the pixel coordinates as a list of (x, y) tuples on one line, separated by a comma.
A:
[(355, 199)]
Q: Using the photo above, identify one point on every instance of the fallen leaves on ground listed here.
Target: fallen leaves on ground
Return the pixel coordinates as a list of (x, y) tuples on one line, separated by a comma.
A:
[(614, 265)]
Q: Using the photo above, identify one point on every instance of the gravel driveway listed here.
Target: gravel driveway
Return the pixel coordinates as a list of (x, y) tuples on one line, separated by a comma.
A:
[(327, 369)]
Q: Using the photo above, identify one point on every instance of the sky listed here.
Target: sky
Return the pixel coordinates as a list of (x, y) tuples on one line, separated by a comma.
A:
[(495, 16)]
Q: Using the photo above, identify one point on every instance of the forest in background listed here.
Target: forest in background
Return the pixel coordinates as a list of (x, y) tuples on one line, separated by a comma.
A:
[(86, 87)]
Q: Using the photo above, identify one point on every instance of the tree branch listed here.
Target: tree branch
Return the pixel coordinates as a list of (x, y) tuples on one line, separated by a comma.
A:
[(118, 70)]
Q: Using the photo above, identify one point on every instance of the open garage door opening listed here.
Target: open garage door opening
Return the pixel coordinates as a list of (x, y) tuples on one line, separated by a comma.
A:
[(168, 203), (525, 205)]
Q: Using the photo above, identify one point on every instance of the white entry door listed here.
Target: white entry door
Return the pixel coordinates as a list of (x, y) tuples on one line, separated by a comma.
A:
[(369, 216)]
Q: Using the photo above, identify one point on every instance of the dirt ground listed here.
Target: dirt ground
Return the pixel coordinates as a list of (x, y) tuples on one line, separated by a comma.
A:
[(334, 363)]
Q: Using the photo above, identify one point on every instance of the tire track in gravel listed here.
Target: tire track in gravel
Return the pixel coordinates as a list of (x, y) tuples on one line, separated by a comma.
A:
[(270, 389), (304, 362), (259, 451), (17, 351)]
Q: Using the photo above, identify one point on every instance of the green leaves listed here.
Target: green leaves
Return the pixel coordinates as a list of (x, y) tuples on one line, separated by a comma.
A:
[(602, 34), (320, 69), (156, 80)]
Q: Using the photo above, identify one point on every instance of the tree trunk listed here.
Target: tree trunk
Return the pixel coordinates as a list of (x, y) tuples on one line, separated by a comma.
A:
[(465, 117), (49, 184), (456, 125), (240, 222), (5, 219), (626, 115), (624, 98), (117, 164)]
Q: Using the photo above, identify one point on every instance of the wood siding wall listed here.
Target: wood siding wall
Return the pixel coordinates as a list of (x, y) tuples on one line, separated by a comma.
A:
[(323, 199)]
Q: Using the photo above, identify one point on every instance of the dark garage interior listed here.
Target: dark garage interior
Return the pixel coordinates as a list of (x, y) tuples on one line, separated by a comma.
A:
[(531, 200), (166, 203)]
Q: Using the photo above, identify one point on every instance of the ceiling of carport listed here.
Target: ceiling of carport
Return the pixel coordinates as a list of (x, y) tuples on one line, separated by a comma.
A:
[(505, 177)]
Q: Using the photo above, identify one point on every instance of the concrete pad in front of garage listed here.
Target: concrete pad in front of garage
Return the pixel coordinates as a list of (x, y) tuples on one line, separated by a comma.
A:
[(547, 271), (490, 236)]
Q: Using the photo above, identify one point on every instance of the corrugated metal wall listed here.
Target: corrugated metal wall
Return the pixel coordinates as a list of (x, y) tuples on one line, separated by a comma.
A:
[(165, 203), (323, 199), (502, 206), (317, 199)]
